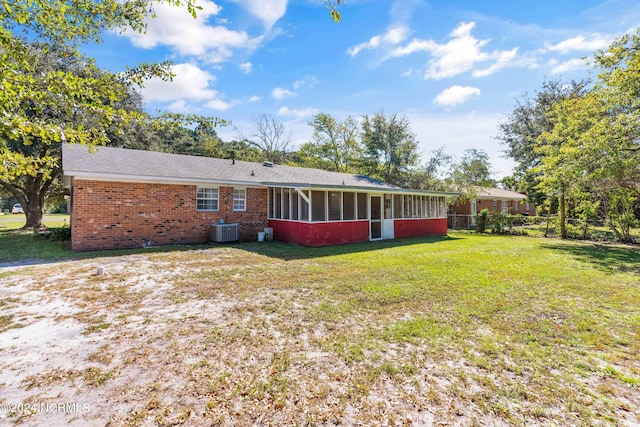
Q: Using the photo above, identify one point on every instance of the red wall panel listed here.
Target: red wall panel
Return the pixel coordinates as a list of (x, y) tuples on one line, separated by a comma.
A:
[(419, 227), (320, 233)]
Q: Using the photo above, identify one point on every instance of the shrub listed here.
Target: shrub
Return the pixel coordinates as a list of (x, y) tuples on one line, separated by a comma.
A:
[(59, 234), (482, 220)]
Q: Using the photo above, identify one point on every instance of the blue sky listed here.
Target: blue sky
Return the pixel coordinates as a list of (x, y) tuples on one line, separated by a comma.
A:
[(455, 68)]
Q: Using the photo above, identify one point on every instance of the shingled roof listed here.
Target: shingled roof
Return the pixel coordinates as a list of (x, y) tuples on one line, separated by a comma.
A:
[(138, 165), (498, 193)]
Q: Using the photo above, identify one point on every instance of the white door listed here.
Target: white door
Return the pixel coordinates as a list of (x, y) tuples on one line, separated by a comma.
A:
[(387, 221)]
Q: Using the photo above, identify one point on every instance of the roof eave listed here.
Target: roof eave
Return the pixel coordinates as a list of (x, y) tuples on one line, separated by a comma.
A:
[(395, 190), (156, 179)]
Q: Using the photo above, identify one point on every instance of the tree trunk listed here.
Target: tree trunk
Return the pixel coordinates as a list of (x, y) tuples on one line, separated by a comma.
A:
[(34, 212), (31, 194), (546, 230), (563, 214)]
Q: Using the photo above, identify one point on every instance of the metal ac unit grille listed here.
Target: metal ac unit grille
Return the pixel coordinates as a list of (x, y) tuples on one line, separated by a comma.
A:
[(224, 233)]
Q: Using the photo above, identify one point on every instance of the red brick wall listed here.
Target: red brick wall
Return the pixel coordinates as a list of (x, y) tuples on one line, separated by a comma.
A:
[(465, 207), (112, 215), (460, 208)]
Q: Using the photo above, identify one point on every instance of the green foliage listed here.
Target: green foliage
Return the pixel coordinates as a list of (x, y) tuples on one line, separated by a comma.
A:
[(474, 169), (524, 126), (50, 94), (335, 145), (593, 149), (431, 174), (504, 224), (58, 234), (390, 148), (482, 220), (621, 214), (332, 5), (586, 210)]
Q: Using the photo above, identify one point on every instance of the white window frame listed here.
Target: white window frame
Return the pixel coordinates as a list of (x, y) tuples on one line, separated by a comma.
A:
[(241, 200), (505, 207), (206, 197)]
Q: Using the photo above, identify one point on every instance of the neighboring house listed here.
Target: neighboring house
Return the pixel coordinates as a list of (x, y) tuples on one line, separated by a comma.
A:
[(462, 213), (123, 198)]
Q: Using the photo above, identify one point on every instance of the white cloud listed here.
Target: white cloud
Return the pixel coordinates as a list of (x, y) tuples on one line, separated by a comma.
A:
[(461, 54), (180, 106), (299, 113), (394, 36), (255, 98), (306, 81), (175, 27), (218, 105), (189, 84), (580, 43), (281, 93), (456, 95), (566, 66), (502, 58), (246, 67), (415, 45), (268, 11)]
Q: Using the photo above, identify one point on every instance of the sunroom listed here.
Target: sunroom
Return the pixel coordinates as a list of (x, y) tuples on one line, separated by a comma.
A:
[(322, 216)]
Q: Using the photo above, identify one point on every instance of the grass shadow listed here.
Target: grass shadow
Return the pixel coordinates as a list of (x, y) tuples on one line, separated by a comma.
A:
[(21, 248), (610, 258), (287, 251), (24, 248)]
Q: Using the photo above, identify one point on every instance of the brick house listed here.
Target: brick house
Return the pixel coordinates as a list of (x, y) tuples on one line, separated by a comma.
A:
[(123, 198), (462, 212)]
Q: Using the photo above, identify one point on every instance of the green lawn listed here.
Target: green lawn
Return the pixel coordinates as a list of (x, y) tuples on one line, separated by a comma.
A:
[(467, 329)]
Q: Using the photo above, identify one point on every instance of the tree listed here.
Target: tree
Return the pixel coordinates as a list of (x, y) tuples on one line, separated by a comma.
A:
[(474, 169), (390, 148), (430, 175), (594, 144), (510, 183), (524, 125), (30, 161), (50, 94), (270, 136), (335, 145)]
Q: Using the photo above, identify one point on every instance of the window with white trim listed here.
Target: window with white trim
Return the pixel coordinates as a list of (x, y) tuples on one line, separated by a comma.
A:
[(505, 207), (207, 199), (239, 199)]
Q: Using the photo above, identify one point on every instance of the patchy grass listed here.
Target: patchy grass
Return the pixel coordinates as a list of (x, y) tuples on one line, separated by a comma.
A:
[(24, 247), (466, 329)]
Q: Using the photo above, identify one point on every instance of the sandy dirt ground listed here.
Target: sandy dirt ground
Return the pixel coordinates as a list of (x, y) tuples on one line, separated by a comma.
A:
[(190, 339)]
